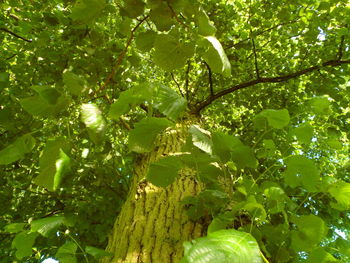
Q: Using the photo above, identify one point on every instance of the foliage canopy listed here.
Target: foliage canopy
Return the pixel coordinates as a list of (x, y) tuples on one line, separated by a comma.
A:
[(87, 86)]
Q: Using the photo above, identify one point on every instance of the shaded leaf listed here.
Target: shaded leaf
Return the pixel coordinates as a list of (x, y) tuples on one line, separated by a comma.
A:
[(17, 149), (97, 252), (74, 83), (341, 192), (66, 253), (223, 246), (277, 119), (145, 40), (162, 16), (142, 137), (304, 133), (14, 227), (301, 171), (164, 172), (23, 243), (170, 54), (86, 11), (205, 26)]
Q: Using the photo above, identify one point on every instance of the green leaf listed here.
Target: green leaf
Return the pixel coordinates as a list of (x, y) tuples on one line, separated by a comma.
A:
[(341, 192), (94, 121), (223, 246), (145, 40), (51, 95), (162, 16), (304, 133), (319, 255), (86, 11), (277, 119), (74, 83), (142, 137), (320, 105), (17, 149), (170, 54), (134, 8), (255, 209), (66, 253), (164, 172), (130, 98), (43, 105), (14, 227), (205, 26), (231, 148), (23, 243), (301, 171), (97, 252), (311, 231), (54, 164), (4, 79), (47, 226), (170, 103), (215, 56), (201, 139)]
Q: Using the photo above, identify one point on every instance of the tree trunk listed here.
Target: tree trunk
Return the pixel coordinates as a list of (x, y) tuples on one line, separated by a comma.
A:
[(153, 224)]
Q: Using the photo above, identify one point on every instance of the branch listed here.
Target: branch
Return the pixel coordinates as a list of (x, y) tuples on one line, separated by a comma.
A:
[(15, 35), (120, 57), (341, 46), (210, 79), (175, 15), (255, 58), (177, 84), (187, 78), (210, 99)]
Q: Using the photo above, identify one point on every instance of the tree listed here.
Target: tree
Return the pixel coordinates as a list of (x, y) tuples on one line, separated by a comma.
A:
[(206, 131)]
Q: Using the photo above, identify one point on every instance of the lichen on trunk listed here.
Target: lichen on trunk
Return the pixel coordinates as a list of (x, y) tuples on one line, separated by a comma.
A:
[(153, 224)]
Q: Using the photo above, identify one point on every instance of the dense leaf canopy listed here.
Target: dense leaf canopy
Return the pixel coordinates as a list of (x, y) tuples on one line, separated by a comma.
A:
[(86, 86)]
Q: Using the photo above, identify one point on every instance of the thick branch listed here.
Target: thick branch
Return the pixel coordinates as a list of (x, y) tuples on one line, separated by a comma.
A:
[(210, 98), (15, 35)]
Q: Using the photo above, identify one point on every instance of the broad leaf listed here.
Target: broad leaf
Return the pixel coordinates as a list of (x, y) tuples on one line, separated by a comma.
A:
[(133, 8), (170, 54), (164, 172), (142, 137), (341, 192), (301, 171), (170, 103), (320, 105), (205, 26), (162, 16), (14, 227), (97, 252), (215, 56), (277, 119), (201, 139), (47, 226), (94, 121), (17, 149), (304, 133), (86, 11), (319, 255), (23, 243), (130, 98), (54, 164), (66, 253), (145, 40), (74, 83), (223, 246)]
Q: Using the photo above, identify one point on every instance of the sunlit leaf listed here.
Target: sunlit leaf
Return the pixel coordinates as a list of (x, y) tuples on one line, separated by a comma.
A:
[(54, 165), (341, 192), (223, 246), (277, 119), (14, 227), (23, 243), (201, 139), (170, 103), (94, 121), (47, 226)]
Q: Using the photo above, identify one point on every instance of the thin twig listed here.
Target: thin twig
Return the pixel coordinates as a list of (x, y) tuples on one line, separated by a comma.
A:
[(175, 16), (187, 79), (255, 56), (341, 46), (120, 57), (15, 35), (177, 84), (210, 79)]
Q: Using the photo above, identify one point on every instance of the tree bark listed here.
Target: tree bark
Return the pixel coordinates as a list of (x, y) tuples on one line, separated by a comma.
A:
[(153, 224)]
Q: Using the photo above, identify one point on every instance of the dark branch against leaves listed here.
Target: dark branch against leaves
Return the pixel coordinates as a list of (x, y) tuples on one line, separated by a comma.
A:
[(15, 35)]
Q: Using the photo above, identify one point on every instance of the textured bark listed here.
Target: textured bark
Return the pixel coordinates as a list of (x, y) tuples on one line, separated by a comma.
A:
[(153, 224)]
